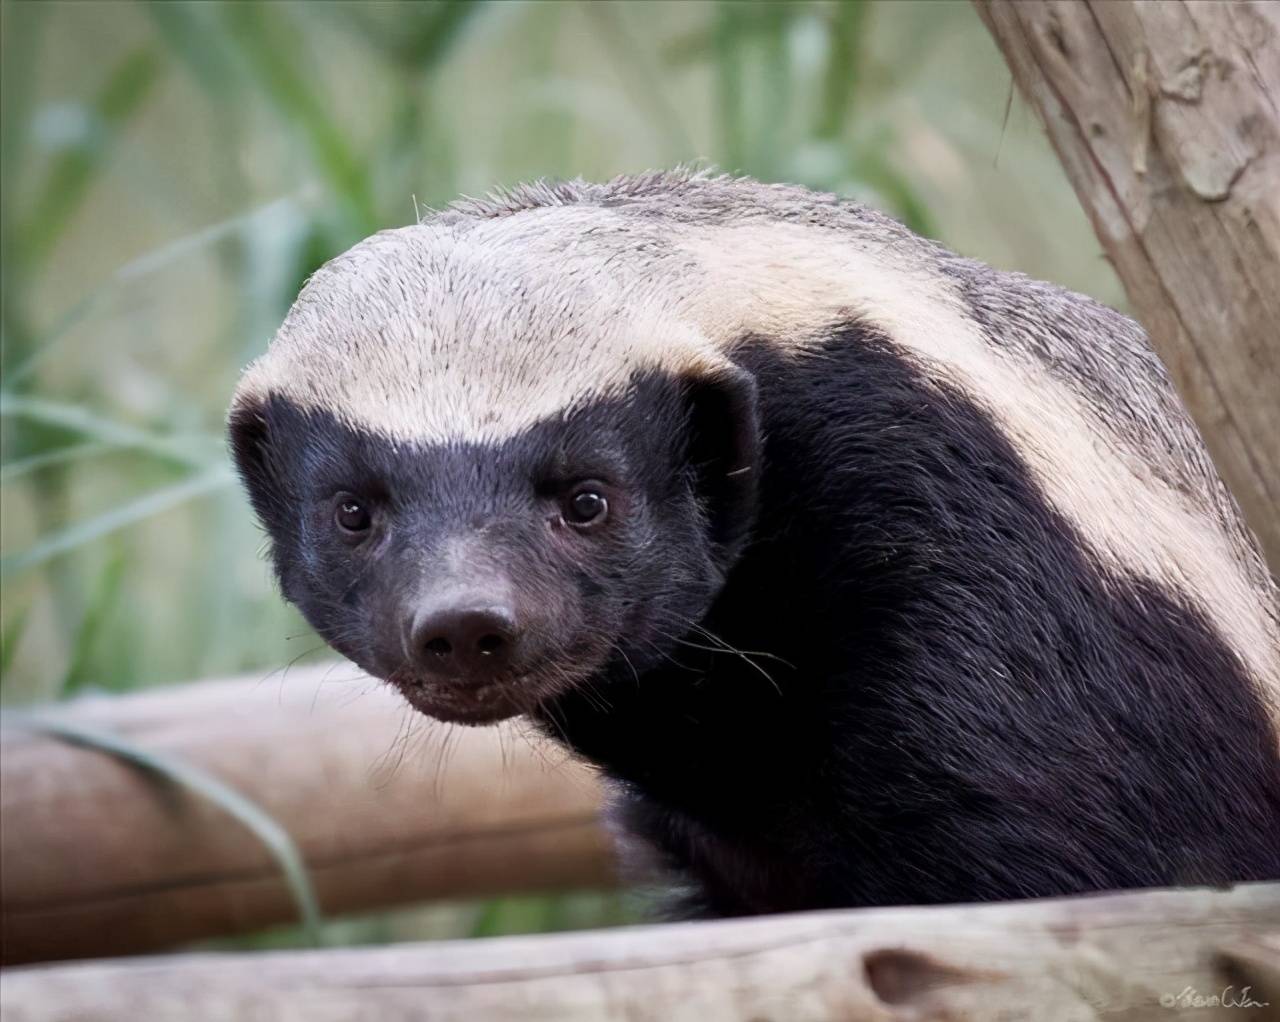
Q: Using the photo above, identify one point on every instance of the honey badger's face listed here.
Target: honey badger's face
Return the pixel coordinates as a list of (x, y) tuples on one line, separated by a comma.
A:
[(484, 576)]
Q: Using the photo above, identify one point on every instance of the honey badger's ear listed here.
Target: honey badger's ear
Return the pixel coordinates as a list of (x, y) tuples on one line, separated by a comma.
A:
[(248, 434), (724, 449)]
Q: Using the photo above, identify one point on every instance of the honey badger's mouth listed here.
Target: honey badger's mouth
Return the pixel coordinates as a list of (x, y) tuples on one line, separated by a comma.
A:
[(457, 701), (458, 704)]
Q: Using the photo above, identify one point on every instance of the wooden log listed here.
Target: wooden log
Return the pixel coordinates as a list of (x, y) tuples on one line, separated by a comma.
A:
[(388, 808), (1151, 955), (1166, 116)]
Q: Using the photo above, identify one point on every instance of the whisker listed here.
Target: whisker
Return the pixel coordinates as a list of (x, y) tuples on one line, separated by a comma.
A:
[(398, 744), (626, 659), (725, 647), (745, 652)]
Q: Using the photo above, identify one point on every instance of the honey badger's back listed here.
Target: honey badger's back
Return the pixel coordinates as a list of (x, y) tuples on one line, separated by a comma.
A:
[(1032, 648)]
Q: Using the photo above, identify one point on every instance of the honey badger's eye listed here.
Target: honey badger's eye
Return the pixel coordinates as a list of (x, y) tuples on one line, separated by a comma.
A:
[(585, 506), (351, 515)]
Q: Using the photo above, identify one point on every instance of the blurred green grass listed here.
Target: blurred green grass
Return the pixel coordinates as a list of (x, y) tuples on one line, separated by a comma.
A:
[(172, 172)]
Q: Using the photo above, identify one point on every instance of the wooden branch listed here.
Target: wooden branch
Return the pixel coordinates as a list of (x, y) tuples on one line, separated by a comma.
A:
[(1126, 956), (1166, 116), (99, 858)]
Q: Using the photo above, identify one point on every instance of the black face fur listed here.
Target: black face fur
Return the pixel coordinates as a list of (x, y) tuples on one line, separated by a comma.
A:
[(486, 523)]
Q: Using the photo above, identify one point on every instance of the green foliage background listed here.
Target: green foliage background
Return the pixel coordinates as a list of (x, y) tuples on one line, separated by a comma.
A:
[(173, 171)]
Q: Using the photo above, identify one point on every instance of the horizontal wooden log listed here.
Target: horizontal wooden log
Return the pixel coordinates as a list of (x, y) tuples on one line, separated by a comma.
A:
[(388, 808), (1150, 955)]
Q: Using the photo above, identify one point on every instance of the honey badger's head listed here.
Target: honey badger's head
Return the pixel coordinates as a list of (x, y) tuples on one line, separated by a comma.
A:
[(490, 471)]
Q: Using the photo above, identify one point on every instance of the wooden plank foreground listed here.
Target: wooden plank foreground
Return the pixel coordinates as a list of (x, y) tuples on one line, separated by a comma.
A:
[(99, 858), (1158, 955)]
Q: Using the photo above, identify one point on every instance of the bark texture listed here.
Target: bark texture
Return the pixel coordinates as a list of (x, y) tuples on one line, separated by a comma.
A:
[(1157, 955)]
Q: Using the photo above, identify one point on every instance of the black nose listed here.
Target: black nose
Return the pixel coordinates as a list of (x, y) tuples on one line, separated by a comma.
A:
[(469, 644)]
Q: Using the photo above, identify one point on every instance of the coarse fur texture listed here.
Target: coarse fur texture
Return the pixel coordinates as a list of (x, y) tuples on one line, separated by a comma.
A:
[(916, 583)]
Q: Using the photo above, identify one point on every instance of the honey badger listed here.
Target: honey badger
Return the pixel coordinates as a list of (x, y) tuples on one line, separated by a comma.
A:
[(867, 573)]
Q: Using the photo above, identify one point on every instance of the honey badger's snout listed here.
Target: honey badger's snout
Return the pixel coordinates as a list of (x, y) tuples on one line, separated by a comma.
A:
[(468, 649), (470, 639)]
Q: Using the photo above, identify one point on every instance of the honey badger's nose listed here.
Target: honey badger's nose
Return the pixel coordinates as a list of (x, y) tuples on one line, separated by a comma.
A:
[(464, 643)]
